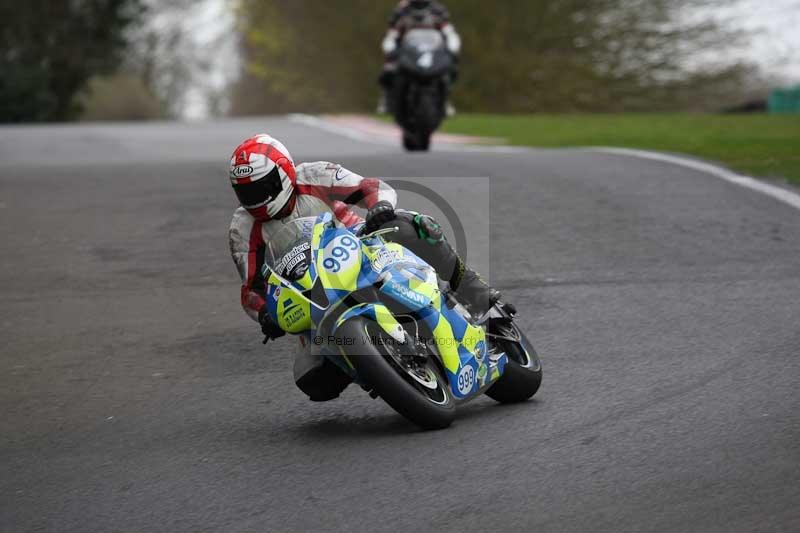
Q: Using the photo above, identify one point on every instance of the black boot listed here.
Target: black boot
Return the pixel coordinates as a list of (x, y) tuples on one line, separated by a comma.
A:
[(476, 295)]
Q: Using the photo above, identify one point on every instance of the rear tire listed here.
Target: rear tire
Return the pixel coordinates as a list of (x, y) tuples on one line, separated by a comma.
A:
[(522, 376), (376, 366)]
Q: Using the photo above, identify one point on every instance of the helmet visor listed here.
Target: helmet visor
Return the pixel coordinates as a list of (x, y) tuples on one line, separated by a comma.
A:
[(259, 192)]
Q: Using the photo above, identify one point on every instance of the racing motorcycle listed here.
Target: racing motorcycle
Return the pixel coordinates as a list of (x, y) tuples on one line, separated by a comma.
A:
[(421, 86), (380, 314)]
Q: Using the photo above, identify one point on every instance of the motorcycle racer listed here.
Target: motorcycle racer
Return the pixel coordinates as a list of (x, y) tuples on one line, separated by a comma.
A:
[(272, 191), (409, 15)]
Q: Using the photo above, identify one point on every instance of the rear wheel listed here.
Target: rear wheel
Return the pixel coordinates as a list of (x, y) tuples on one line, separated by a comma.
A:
[(522, 376), (414, 389)]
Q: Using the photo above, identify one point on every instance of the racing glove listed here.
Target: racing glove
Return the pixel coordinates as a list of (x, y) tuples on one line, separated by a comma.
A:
[(378, 215), (269, 328)]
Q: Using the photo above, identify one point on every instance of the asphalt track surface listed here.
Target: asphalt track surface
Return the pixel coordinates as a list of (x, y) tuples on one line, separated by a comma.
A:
[(136, 395)]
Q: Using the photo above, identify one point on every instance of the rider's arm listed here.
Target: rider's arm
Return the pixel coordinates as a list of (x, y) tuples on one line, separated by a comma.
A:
[(394, 33), (451, 36), (335, 183), (247, 249), (389, 44)]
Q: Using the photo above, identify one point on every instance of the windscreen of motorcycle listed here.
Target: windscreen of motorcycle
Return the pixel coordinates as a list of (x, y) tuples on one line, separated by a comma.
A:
[(424, 53), (424, 40), (288, 253)]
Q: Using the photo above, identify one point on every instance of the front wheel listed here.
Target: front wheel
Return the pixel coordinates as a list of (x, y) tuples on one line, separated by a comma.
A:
[(522, 376), (416, 391), (416, 141)]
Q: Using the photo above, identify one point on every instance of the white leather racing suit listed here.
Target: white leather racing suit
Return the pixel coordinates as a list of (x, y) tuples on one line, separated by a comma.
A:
[(406, 18), (320, 187), (328, 188)]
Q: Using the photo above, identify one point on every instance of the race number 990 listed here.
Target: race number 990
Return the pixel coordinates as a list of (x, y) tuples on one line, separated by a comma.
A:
[(340, 254)]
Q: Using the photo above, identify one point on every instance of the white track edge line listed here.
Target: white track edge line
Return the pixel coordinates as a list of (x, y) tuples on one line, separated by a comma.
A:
[(782, 195), (316, 122), (353, 134)]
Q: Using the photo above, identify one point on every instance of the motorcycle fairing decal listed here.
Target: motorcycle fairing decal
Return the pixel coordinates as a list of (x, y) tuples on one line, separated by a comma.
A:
[(305, 283), (302, 284), (456, 321), (291, 312), (408, 282), (384, 255), (401, 292), (499, 367), (443, 335), (377, 313), (460, 345), (365, 310), (428, 289), (338, 259)]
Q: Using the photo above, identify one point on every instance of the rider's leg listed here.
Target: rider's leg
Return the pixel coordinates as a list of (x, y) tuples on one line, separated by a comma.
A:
[(320, 379), (449, 108), (422, 235), (386, 81)]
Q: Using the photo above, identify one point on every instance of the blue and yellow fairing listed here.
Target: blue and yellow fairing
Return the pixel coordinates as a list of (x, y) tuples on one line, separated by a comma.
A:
[(342, 264)]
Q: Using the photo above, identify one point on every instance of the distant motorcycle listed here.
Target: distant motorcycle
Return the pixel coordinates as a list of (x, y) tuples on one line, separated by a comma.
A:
[(379, 314), (421, 87)]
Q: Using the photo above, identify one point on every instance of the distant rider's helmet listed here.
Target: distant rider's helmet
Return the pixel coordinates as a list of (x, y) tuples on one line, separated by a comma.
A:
[(263, 176), (420, 4)]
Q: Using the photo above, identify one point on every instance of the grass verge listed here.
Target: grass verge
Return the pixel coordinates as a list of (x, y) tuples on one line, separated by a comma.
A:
[(758, 145)]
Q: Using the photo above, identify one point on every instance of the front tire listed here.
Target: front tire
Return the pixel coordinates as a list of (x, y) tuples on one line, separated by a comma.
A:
[(379, 368), (425, 141), (410, 141), (416, 141), (522, 376)]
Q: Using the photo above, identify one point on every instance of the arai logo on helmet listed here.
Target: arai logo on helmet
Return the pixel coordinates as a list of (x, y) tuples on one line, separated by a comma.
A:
[(242, 171)]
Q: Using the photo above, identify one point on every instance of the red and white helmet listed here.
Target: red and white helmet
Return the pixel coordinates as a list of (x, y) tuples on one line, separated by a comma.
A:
[(263, 176)]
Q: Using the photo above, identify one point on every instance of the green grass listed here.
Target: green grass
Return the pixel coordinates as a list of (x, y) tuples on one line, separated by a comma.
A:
[(758, 145)]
